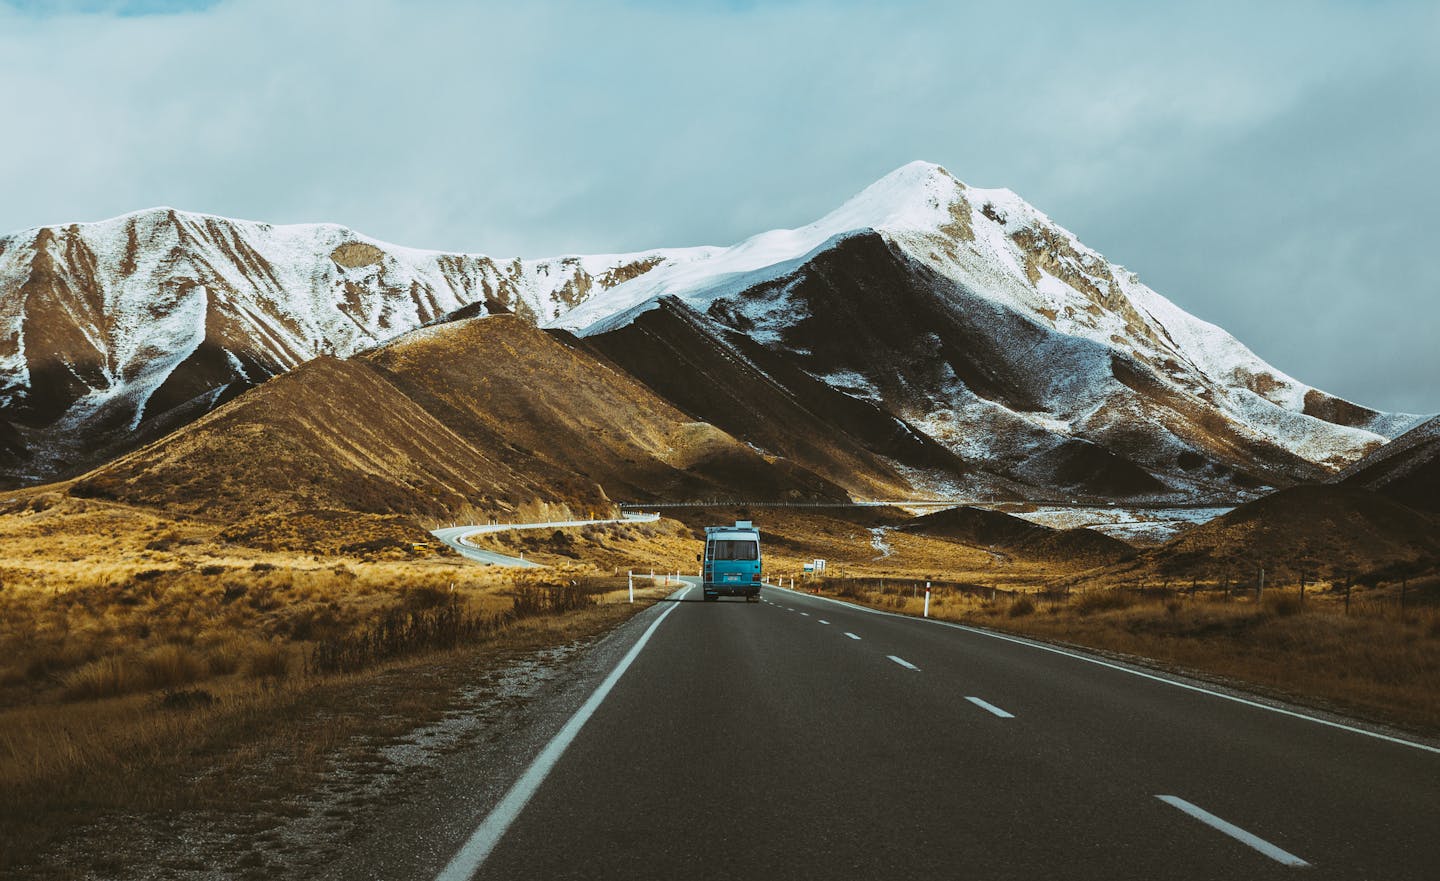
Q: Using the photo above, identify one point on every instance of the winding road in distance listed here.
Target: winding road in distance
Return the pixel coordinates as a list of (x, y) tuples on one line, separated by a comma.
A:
[(455, 537), (807, 738)]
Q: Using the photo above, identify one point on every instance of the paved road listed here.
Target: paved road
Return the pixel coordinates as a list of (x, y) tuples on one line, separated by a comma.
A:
[(802, 738), (457, 537)]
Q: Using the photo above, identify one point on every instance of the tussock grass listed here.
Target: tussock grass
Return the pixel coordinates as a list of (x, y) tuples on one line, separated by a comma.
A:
[(132, 645)]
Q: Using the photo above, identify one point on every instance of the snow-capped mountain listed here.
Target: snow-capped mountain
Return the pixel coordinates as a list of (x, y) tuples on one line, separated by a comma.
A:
[(112, 332), (951, 332), (971, 316)]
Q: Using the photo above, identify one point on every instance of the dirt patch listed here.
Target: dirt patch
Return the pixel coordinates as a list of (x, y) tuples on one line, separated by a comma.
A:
[(353, 255)]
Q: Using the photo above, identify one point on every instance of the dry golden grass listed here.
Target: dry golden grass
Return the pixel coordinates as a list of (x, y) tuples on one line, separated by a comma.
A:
[(137, 651), (253, 742)]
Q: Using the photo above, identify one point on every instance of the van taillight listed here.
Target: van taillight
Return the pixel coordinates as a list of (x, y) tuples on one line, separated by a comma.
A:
[(755, 577)]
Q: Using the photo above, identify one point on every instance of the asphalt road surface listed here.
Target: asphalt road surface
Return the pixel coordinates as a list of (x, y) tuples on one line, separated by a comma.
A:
[(803, 738)]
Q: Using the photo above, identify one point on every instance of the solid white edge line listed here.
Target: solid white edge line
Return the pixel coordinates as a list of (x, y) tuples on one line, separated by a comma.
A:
[(902, 662), (851, 635), (472, 855), (1284, 857), (986, 705), (1133, 672)]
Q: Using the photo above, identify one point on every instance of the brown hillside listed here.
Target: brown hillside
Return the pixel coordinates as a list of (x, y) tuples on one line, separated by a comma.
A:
[(1077, 547), (560, 413), (999, 531), (486, 414), (1407, 469), (977, 526), (1318, 531), (717, 375), (331, 434)]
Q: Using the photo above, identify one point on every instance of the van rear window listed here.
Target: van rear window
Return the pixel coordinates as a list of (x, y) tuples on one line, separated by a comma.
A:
[(727, 549)]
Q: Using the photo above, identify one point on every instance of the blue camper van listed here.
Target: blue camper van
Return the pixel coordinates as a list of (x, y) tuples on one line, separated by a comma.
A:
[(731, 563)]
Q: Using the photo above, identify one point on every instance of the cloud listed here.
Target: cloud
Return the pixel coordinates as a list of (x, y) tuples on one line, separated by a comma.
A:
[(1263, 166)]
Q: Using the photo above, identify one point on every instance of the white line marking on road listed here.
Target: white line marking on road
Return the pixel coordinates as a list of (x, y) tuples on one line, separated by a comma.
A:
[(902, 662), (1142, 674), (1283, 857), (806, 614), (986, 705), (851, 635), (482, 841), (822, 620)]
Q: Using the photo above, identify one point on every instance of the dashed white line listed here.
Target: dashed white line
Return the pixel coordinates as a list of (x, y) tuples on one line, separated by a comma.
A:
[(902, 662), (806, 614), (986, 705), (1284, 857), (1329, 723), (851, 635), (822, 620), (482, 841)]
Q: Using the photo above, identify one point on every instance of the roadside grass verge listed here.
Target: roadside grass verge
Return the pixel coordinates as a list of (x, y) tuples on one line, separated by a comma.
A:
[(186, 692), (1375, 662)]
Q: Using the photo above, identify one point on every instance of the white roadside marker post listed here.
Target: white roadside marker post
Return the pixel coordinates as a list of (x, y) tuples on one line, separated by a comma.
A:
[(927, 600), (630, 576)]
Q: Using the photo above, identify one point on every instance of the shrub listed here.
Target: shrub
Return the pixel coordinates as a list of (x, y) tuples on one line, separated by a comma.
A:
[(171, 665), (1281, 605), (105, 677), (186, 699), (405, 631), (268, 661), (1021, 606), (227, 657), (1102, 601)]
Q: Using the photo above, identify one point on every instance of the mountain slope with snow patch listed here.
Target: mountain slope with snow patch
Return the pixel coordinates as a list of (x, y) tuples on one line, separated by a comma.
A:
[(1035, 355)]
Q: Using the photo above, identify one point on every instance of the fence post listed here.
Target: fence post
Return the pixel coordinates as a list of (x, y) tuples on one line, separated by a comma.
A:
[(1260, 585), (1347, 594)]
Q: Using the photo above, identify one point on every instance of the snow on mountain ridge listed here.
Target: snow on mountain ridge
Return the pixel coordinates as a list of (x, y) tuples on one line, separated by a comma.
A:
[(105, 325), (999, 251)]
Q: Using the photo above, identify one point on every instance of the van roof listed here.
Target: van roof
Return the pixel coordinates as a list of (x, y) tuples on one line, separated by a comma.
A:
[(746, 531)]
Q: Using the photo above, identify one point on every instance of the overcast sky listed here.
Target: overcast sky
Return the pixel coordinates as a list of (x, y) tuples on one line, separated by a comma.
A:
[(1271, 169)]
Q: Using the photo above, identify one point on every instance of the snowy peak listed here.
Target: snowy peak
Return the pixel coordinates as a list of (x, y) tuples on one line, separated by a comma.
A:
[(1077, 351), (917, 196), (106, 327), (926, 305)]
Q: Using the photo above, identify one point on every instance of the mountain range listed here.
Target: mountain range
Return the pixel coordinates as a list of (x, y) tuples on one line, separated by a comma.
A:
[(926, 337)]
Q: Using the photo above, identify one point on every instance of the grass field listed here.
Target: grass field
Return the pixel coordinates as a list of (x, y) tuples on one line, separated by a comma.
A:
[(149, 667)]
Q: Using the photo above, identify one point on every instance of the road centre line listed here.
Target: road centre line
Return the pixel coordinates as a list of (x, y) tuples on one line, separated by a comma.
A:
[(986, 705), (902, 662), (477, 848), (1134, 672), (806, 614), (1277, 854), (851, 635), (822, 620)]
